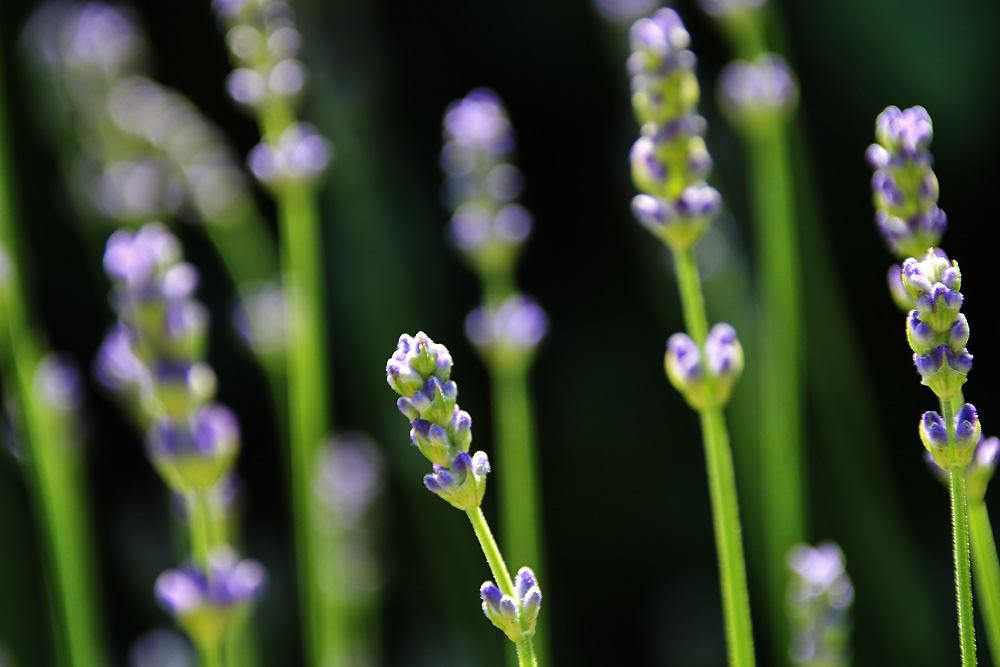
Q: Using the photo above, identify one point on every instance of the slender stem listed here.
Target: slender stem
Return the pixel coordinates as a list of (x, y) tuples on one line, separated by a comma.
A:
[(722, 483), (200, 520), (728, 538), (517, 484), (781, 354), (308, 386), (55, 475), (986, 571), (692, 297), (525, 647), (960, 535)]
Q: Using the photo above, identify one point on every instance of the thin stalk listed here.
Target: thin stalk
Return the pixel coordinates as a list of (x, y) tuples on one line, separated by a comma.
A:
[(55, 477), (308, 388), (525, 647), (986, 572), (960, 537), (722, 483), (780, 361), (201, 535)]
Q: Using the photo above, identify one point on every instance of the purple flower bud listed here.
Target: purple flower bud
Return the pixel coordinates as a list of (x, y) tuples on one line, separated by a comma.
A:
[(921, 337), (660, 35), (699, 201), (117, 367), (460, 430), (648, 172), (480, 464), (933, 431), (300, 154), (491, 596), (877, 156), (986, 453), (958, 335), (683, 359), (59, 383), (967, 430), (524, 580), (350, 477), (215, 431), (479, 122), (898, 290), (508, 607), (907, 132), (518, 325), (765, 88)]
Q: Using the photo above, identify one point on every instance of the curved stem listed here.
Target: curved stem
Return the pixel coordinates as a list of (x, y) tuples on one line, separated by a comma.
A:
[(722, 483), (960, 536), (53, 464), (986, 572), (525, 647)]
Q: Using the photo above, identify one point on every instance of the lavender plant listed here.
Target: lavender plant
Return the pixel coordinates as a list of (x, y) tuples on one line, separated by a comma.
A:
[(819, 599), (267, 80), (759, 98), (905, 193), (669, 165), (191, 440), (489, 228), (420, 372), (53, 465)]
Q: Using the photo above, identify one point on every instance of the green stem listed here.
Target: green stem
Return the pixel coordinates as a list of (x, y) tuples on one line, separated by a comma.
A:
[(781, 354), (525, 647), (728, 537), (201, 536), (308, 387), (960, 534), (986, 572), (55, 476), (722, 483), (517, 484)]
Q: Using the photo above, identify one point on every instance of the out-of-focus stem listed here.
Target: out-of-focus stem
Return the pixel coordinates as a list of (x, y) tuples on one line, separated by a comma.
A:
[(55, 480), (308, 389), (986, 572), (781, 354)]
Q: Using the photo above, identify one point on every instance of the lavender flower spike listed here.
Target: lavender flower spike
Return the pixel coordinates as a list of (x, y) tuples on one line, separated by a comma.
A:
[(705, 379), (515, 615), (669, 161), (509, 333), (904, 187), (758, 94), (208, 603), (819, 598), (418, 371), (488, 227)]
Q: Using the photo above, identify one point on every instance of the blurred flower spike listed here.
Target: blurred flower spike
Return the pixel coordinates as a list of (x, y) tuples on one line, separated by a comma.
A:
[(758, 95), (705, 379), (209, 603), (819, 599)]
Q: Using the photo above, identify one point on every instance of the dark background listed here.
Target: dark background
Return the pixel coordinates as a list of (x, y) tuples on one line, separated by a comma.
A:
[(632, 574)]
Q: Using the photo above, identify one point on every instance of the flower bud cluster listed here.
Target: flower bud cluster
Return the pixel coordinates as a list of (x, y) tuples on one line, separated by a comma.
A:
[(819, 598), (756, 95), (515, 615), (154, 356), (420, 371), (966, 431), (705, 379), (981, 468), (488, 226), (209, 603), (669, 161), (936, 329), (143, 151), (904, 187), (264, 45), (509, 334)]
